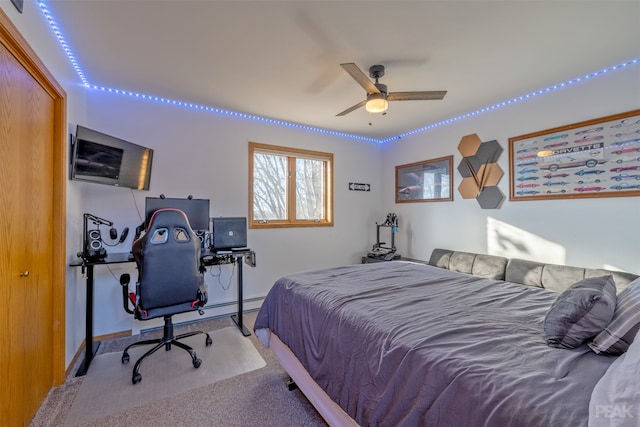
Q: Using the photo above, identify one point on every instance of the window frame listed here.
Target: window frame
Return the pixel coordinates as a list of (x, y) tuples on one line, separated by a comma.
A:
[(292, 154)]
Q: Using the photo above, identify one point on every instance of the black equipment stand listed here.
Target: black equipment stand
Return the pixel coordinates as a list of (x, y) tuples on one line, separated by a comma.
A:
[(91, 349), (235, 257), (385, 252)]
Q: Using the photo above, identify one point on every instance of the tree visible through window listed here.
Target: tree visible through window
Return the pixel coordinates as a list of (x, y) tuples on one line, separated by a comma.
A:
[(269, 187), (289, 187)]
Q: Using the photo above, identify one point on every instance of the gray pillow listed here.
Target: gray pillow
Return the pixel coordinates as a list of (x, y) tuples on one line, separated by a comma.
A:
[(619, 334), (581, 312)]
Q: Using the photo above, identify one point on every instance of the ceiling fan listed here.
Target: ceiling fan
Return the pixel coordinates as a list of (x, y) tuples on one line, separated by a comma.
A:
[(377, 95)]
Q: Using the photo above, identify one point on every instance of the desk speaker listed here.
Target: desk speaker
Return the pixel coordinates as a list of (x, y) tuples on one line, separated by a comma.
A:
[(94, 248), (203, 237)]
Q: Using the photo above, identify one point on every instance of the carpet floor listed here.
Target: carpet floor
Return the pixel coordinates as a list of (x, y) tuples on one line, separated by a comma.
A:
[(257, 397)]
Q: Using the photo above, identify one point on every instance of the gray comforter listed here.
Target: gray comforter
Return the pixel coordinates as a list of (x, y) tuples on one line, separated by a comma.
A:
[(403, 344)]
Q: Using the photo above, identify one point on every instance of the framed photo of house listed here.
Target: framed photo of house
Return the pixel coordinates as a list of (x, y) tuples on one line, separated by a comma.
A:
[(425, 181), (594, 158)]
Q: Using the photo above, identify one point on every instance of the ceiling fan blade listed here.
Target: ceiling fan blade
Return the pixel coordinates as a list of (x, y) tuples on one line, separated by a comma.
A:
[(360, 77), (350, 109), (417, 96)]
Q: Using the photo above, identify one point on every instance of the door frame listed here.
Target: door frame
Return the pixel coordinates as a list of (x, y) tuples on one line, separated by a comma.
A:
[(15, 43)]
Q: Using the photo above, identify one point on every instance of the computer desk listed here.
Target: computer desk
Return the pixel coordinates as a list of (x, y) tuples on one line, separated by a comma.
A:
[(208, 258)]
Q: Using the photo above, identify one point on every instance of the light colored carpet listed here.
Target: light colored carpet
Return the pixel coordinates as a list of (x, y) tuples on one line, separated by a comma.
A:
[(107, 387)]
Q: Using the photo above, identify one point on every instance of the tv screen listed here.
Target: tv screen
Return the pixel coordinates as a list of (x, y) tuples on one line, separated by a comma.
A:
[(104, 159), (197, 210)]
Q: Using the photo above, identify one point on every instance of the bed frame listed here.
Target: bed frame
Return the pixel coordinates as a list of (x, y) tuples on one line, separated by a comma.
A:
[(332, 413)]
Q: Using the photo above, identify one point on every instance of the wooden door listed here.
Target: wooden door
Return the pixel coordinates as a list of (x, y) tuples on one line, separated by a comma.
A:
[(29, 272)]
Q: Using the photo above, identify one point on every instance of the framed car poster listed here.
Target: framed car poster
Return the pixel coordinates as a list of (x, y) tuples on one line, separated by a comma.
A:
[(594, 158)]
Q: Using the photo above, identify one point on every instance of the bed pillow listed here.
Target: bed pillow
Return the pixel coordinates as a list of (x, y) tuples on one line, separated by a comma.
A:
[(618, 335), (580, 312), (614, 400)]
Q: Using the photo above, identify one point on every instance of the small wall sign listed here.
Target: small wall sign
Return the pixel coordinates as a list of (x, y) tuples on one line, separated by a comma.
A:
[(355, 186)]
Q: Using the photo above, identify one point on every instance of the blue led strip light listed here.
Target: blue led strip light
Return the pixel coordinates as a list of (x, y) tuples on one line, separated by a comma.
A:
[(65, 46), (76, 66), (514, 100), (231, 113)]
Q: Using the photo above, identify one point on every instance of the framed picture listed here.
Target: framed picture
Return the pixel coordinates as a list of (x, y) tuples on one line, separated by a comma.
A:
[(594, 158), (426, 181)]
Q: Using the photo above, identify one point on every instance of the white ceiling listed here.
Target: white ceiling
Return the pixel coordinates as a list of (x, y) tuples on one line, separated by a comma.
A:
[(280, 59)]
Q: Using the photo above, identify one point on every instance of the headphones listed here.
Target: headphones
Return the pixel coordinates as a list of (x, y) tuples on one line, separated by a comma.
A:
[(113, 235)]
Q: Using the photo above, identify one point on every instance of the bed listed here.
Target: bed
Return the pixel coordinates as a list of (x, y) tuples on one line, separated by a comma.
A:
[(408, 344)]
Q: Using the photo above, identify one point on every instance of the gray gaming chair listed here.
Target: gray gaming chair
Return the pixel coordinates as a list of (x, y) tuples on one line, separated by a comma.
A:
[(170, 281)]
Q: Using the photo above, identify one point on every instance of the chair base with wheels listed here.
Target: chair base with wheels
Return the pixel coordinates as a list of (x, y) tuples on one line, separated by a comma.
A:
[(166, 341)]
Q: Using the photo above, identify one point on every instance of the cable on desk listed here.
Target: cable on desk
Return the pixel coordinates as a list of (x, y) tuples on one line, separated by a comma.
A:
[(219, 275)]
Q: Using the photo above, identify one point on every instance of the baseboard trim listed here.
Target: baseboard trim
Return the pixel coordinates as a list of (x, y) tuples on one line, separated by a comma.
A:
[(72, 364), (201, 319), (120, 334), (233, 303)]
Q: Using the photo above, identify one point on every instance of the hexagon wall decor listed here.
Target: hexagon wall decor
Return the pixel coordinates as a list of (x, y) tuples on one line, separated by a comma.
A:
[(480, 172)]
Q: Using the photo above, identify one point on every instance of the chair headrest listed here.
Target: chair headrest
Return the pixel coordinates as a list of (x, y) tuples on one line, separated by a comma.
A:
[(168, 217)]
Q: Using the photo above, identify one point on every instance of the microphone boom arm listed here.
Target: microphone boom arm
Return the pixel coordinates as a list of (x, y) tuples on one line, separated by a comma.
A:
[(97, 220)]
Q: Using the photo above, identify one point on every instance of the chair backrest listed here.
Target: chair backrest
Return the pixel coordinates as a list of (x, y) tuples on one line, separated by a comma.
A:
[(168, 260)]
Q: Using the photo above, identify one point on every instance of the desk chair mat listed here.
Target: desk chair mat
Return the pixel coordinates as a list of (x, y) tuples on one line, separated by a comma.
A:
[(107, 387)]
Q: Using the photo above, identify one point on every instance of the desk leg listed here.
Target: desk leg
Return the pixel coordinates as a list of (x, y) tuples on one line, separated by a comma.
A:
[(89, 350), (237, 318)]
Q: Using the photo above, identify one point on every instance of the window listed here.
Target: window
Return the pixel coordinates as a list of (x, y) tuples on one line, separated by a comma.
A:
[(289, 187)]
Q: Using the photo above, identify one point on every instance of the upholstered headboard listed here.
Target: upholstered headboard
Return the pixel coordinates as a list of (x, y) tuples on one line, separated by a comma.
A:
[(549, 276), (488, 266)]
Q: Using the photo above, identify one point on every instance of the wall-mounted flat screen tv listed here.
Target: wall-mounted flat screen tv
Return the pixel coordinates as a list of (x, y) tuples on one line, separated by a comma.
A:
[(104, 159)]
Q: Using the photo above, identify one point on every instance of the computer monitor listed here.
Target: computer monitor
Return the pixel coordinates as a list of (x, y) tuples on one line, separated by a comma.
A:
[(197, 210)]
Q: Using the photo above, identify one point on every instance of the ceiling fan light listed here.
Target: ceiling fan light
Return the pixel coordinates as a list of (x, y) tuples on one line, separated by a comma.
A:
[(376, 103)]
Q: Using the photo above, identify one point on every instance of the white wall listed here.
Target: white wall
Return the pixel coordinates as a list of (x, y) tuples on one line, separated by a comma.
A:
[(595, 232), (206, 155)]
